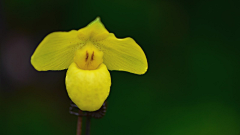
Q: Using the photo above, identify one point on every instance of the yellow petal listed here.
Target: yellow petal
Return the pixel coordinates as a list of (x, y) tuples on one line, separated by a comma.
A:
[(123, 54), (88, 89), (56, 51), (94, 31)]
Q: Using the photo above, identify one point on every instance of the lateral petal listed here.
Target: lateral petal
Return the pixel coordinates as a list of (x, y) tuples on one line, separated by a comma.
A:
[(123, 54), (56, 51)]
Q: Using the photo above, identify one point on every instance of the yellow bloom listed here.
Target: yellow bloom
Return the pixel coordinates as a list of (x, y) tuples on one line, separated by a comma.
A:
[(88, 54)]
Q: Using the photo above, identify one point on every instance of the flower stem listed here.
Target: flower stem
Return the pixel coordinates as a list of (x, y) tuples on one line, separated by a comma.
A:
[(79, 124), (88, 125)]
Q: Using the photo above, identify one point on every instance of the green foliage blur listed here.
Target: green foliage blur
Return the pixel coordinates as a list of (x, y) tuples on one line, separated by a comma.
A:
[(190, 88)]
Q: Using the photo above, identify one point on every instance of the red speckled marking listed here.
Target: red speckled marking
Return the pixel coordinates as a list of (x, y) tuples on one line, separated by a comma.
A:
[(86, 56), (92, 56)]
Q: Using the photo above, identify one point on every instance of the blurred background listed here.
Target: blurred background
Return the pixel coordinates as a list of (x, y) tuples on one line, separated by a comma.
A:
[(191, 87)]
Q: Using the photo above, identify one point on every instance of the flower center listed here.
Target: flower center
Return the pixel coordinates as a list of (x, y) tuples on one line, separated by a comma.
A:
[(88, 57)]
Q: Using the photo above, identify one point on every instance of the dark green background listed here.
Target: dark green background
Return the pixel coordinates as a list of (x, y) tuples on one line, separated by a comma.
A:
[(190, 88)]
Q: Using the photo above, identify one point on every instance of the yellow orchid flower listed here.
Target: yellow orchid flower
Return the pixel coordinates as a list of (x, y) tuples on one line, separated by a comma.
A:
[(88, 54)]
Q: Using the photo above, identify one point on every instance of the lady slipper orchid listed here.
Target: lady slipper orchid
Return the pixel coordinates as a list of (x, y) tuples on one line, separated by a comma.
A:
[(88, 54)]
